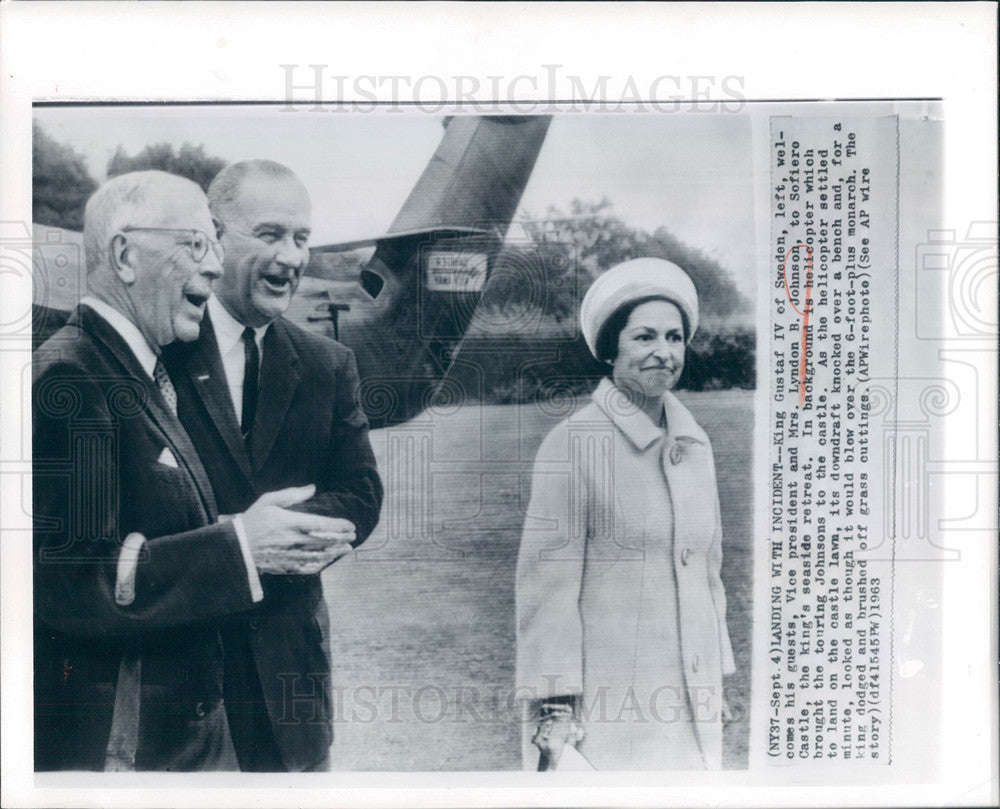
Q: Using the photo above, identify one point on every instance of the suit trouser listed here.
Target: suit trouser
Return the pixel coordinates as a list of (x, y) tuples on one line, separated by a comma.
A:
[(246, 708)]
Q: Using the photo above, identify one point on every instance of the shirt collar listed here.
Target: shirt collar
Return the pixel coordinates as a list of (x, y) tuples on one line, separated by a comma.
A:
[(637, 426), (128, 331), (228, 330)]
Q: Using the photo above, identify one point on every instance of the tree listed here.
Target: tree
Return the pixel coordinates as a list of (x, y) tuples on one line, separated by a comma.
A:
[(527, 314), (190, 161), (602, 240), (61, 183)]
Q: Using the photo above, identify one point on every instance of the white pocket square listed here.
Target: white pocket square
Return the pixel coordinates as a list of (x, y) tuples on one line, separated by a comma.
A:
[(167, 458)]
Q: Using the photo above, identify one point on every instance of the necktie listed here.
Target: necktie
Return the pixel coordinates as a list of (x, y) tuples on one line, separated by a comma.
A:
[(251, 370), (166, 386)]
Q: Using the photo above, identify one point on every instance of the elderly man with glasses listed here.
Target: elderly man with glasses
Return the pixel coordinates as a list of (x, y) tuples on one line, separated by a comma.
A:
[(132, 565)]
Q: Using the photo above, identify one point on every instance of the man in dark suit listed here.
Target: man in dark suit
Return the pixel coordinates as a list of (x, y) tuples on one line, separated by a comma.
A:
[(268, 406), (131, 566)]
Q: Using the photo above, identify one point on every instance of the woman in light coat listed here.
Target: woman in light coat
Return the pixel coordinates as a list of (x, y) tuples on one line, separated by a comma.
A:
[(622, 640)]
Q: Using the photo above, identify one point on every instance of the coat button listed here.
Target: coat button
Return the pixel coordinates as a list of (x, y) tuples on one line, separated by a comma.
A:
[(676, 453), (199, 710), (253, 623), (685, 556), (695, 662)]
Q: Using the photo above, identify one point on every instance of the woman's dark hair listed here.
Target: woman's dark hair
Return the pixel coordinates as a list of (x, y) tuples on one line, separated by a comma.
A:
[(607, 337)]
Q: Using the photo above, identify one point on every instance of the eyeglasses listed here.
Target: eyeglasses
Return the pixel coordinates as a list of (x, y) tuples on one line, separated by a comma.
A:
[(198, 243)]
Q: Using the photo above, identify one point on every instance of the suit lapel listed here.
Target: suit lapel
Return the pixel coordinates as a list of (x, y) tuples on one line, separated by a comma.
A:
[(279, 376), (208, 377), (155, 406)]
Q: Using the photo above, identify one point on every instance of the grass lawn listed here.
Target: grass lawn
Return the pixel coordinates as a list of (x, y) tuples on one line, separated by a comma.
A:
[(422, 615)]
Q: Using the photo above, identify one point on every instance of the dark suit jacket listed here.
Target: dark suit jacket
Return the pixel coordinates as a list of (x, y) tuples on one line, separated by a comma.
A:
[(103, 443), (308, 428)]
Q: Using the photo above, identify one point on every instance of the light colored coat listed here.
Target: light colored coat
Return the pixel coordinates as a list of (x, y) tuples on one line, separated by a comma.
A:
[(619, 598)]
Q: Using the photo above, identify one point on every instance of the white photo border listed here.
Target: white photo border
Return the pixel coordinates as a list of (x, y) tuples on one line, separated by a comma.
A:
[(214, 52)]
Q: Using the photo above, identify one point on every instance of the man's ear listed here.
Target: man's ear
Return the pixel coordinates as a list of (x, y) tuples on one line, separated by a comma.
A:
[(123, 259)]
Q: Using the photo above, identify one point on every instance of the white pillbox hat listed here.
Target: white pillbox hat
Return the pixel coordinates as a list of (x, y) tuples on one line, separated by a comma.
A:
[(632, 281)]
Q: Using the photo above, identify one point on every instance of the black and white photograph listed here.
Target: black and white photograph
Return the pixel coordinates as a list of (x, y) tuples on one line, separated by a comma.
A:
[(456, 418), (498, 404)]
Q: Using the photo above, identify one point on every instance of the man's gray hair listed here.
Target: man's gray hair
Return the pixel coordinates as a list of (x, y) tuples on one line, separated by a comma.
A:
[(225, 188), (129, 200)]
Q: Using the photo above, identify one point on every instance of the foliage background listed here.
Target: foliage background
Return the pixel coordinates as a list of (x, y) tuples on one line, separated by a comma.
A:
[(524, 342)]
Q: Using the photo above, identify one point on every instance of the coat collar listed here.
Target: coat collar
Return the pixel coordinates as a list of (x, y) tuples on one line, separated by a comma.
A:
[(637, 426), (279, 377), (89, 321), (128, 331), (204, 366)]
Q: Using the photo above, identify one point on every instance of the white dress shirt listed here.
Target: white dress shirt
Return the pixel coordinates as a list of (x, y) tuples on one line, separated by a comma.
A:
[(128, 559), (229, 338)]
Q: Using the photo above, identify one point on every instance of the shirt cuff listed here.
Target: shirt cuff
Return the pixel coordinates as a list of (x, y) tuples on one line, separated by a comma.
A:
[(256, 590), (128, 562)]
